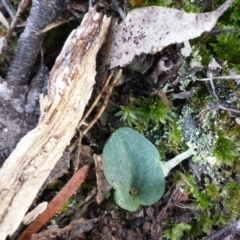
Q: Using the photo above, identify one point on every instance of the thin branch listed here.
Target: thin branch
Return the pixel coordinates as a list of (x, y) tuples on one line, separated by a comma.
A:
[(56, 229), (221, 77), (41, 14), (226, 231), (21, 6), (104, 103), (212, 85), (4, 21), (119, 9), (96, 100), (79, 140), (77, 157), (55, 24), (9, 8), (229, 109)]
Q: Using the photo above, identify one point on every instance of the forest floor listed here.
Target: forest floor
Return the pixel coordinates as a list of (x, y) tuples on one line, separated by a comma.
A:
[(165, 98)]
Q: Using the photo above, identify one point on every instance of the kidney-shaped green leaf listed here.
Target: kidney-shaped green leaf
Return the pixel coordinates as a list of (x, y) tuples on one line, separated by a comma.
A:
[(131, 165)]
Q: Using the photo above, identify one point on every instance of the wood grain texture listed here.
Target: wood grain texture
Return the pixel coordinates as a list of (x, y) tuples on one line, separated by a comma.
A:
[(70, 86)]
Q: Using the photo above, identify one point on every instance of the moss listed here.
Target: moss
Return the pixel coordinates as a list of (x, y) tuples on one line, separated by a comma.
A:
[(142, 112), (206, 202), (201, 121), (177, 231), (225, 150)]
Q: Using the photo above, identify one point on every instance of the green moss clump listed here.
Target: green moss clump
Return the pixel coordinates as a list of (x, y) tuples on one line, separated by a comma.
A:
[(177, 231), (225, 150), (142, 112)]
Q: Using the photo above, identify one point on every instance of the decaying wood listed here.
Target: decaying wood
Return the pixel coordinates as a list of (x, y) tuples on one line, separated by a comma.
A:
[(70, 87)]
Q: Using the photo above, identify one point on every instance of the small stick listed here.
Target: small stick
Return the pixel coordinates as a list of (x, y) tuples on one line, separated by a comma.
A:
[(55, 24), (221, 77), (229, 109), (79, 140), (96, 100), (212, 85), (90, 4), (77, 157), (56, 229), (119, 9), (104, 103), (4, 21), (21, 6), (9, 8)]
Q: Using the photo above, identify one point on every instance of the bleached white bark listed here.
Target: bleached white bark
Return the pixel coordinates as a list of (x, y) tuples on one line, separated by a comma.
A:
[(70, 86)]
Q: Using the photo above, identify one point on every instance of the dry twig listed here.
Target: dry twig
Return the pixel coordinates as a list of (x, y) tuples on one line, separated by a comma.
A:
[(96, 100), (56, 203), (21, 6), (104, 102), (81, 134), (55, 24), (83, 224), (9, 8)]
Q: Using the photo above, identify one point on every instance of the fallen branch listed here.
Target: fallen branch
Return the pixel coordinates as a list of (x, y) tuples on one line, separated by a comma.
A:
[(42, 13), (70, 87), (82, 226)]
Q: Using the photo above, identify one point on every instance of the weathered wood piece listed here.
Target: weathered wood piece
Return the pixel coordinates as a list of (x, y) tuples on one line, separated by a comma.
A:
[(70, 86)]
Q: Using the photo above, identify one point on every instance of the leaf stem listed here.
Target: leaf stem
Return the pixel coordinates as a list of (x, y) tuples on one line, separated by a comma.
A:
[(167, 166)]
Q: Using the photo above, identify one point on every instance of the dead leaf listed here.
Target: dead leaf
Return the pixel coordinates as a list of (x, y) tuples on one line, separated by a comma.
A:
[(150, 29), (102, 185)]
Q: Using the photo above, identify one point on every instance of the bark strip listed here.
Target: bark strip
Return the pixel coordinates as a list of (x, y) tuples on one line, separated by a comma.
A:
[(70, 87)]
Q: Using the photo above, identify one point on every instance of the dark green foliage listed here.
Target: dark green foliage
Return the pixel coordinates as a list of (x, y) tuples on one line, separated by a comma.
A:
[(227, 47), (177, 231), (231, 199), (163, 3), (158, 123), (189, 6), (173, 134), (140, 113), (225, 150), (213, 191)]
